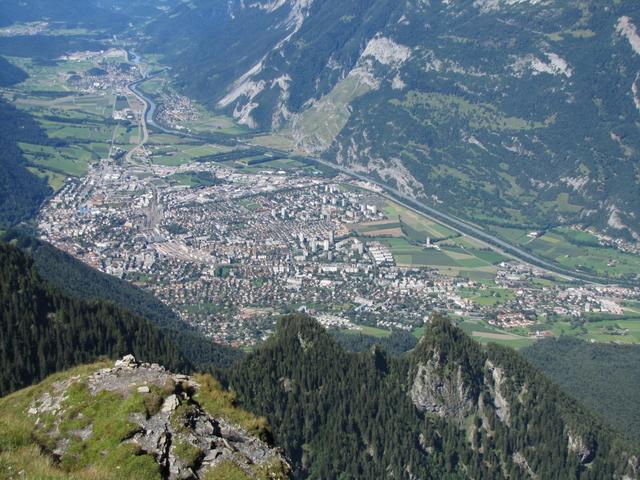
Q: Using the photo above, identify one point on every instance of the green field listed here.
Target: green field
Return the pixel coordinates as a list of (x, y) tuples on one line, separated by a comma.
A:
[(602, 330), (415, 226), (576, 250), (249, 204), (452, 261), (489, 296), (55, 180), (79, 124), (182, 153), (193, 179), (69, 161), (211, 123), (484, 333), (370, 331)]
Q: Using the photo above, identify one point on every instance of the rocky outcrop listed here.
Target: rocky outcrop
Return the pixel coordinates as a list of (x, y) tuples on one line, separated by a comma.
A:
[(581, 448), (501, 404), (433, 391), (174, 428)]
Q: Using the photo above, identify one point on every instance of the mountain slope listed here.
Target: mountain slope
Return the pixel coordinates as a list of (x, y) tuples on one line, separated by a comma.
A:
[(588, 370), (131, 421), (44, 331), (522, 113), (21, 192), (450, 410), (77, 280)]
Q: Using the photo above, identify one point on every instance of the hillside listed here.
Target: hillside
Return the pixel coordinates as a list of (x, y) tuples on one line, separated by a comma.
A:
[(21, 191), (132, 421), (449, 410), (505, 113), (44, 331), (77, 280), (588, 371)]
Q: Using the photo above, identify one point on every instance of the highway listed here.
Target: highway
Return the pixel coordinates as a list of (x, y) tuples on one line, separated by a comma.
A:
[(456, 224), (465, 228)]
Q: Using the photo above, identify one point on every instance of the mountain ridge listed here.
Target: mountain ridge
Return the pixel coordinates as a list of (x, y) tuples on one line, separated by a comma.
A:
[(448, 408)]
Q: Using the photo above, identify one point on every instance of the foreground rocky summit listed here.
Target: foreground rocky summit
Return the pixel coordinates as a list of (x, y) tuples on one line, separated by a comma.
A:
[(133, 420)]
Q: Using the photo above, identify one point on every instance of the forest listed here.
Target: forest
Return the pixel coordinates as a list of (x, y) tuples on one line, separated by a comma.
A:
[(21, 192), (588, 370), (79, 281), (335, 411), (44, 331)]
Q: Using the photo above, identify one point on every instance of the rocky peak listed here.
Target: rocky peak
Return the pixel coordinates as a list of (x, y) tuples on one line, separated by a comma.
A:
[(167, 421)]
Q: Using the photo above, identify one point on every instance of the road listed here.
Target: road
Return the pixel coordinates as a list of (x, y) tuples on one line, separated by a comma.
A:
[(454, 223)]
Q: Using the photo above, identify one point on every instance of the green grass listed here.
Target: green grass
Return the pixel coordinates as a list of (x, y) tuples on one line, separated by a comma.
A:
[(54, 180), (70, 161), (106, 455), (193, 179), (597, 330), (363, 228), (249, 204), (489, 296), (222, 403), (517, 343), (369, 331), (102, 457), (576, 250), (226, 470), (174, 154)]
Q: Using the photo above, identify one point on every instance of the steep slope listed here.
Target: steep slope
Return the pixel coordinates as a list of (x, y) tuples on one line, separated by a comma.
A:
[(21, 192), (450, 410), (503, 112), (131, 421), (588, 371), (77, 280), (10, 74), (44, 331)]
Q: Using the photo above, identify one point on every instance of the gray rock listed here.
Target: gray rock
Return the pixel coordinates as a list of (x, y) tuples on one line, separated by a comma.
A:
[(128, 361), (170, 403), (445, 395)]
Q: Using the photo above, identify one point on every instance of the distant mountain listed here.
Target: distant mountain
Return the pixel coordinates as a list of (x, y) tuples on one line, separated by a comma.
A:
[(448, 410), (44, 331), (132, 421), (112, 15), (504, 112)]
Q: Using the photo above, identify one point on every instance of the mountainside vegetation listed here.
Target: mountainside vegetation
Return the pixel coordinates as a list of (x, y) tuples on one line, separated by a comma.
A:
[(10, 74), (21, 191), (605, 377), (448, 410), (44, 331), (79, 281), (505, 113)]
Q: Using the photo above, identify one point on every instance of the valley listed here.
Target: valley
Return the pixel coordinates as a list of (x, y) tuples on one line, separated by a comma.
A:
[(315, 239), (196, 217)]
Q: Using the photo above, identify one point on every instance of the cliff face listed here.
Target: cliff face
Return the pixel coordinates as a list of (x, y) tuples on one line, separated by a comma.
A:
[(135, 420), (449, 409)]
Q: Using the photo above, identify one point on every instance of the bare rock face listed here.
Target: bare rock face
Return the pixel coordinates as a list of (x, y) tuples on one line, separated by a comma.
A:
[(174, 428), (579, 446), (503, 410), (434, 392)]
